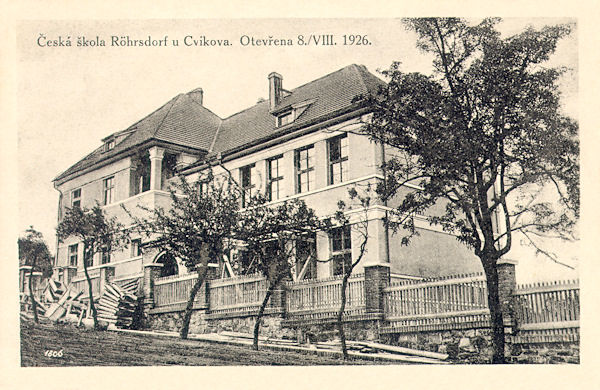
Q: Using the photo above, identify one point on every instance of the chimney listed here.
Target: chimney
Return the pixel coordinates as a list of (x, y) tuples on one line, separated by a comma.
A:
[(196, 95), (275, 87)]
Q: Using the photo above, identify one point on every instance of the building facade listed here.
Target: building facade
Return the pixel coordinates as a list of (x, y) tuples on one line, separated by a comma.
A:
[(302, 143)]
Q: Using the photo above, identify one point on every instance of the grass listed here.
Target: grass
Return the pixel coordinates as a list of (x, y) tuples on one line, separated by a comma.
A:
[(86, 347)]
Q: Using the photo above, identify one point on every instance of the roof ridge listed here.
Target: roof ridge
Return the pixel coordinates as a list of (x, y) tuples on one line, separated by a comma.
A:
[(134, 125), (357, 69), (201, 105), (244, 110), (214, 141), (174, 100), (322, 77), (301, 86)]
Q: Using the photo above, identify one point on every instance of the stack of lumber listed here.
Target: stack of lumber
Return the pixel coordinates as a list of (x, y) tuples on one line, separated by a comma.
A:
[(119, 305), (63, 306), (54, 291)]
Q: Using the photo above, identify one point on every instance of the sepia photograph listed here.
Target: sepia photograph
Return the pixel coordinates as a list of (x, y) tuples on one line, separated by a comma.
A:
[(398, 191)]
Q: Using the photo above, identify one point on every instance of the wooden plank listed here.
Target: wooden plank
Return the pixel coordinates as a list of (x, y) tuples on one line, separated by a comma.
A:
[(445, 282), (549, 325), (401, 350), (439, 315)]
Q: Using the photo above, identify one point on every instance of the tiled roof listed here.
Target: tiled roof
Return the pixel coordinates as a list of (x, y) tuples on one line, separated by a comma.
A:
[(181, 121), (331, 93), (185, 122)]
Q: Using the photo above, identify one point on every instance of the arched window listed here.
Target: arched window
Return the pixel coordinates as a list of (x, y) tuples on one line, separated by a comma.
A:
[(169, 265)]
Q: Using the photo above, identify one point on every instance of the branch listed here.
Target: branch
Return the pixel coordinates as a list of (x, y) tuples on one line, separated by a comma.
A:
[(550, 256)]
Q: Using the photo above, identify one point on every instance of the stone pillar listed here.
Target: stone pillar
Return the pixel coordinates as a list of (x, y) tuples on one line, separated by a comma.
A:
[(69, 274), (107, 274), (507, 283), (156, 157), (151, 272), (377, 277)]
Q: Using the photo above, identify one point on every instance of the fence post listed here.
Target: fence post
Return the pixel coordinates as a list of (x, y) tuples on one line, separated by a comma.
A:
[(507, 283), (151, 272), (23, 275), (377, 277)]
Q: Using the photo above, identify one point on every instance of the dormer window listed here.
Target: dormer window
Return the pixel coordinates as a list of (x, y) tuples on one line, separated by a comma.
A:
[(108, 145), (285, 118)]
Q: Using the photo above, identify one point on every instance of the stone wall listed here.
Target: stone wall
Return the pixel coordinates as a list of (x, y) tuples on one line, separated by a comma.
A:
[(364, 330), (270, 327), (467, 346), (473, 346), (545, 353)]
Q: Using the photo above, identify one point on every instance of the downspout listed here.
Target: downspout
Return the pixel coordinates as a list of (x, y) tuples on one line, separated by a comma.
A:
[(59, 217), (385, 204)]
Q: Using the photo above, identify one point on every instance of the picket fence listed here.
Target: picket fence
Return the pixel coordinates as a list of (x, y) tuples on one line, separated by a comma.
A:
[(547, 312), (434, 304), (320, 299), (241, 296), (173, 292), (543, 312)]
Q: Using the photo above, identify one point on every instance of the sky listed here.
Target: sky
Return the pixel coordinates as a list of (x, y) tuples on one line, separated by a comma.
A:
[(69, 98)]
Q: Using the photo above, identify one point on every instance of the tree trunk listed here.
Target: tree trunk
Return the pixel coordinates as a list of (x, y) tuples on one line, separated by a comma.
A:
[(261, 311), (496, 319), (33, 302), (340, 314), (90, 292), (187, 317)]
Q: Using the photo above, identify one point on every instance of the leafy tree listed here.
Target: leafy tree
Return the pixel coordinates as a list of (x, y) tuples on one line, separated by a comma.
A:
[(34, 252), (271, 233), (98, 233), (483, 135), (196, 228)]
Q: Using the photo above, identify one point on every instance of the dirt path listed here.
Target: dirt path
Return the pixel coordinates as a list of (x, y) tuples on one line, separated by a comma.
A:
[(84, 347)]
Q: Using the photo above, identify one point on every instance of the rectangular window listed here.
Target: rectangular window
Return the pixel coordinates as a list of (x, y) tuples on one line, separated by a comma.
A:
[(202, 188), (109, 185), (105, 256), (305, 169), (341, 250), (248, 183), (338, 159), (73, 255), (136, 247), (284, 119), (275, 174), (76, 198), (110, 144)]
